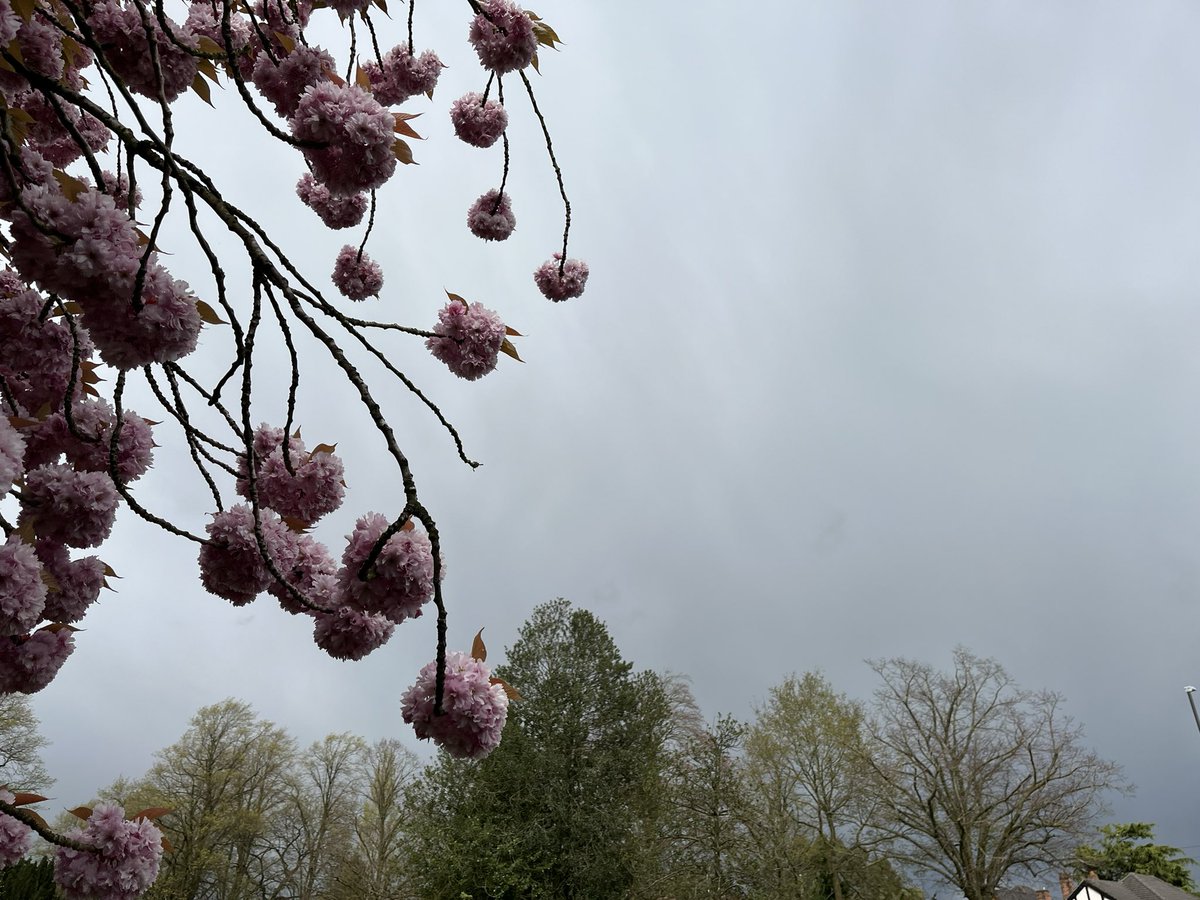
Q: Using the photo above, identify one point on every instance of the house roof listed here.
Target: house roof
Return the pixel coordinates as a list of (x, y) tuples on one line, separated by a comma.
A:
[(1016, 893), (1134, 887)]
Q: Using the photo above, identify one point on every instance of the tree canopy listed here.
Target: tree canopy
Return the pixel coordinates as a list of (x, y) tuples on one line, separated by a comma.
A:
[(1130, 848)]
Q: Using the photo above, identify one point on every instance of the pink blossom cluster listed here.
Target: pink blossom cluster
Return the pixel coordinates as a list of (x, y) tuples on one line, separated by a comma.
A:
[(284, 80), (231, 561), (401, 580), (16, 838), (68, 506), (93, 259), (469, 336), (122, 863), (87, 447), (476, 121), (356, 134), (121, 29), (37, 359), (335, 212), (561, 281), (28, 663), (352, 616), (473, 708), (12, 452), (348, 633), (491, 216), (74, 584), (22, 590), (356, 275), (400, 75), (503, 36), (310, 490)]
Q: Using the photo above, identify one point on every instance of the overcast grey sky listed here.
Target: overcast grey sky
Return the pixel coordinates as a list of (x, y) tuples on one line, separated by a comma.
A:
[(889, 345)]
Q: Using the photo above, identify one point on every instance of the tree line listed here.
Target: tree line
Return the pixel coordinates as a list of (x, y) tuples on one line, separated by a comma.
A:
[(610, 783)]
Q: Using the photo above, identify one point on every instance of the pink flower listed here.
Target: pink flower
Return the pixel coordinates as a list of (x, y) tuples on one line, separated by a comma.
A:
[(557, 285), (335, 212), (22, 591), (350, 634), (165, 329), (356, 275), (29, 663), (94, 419), (403, 75), (476, 121), (503, 37), (123, 863), (284, 82), (16, 838), (12, 451), (400, 582), (314, 490), (122, 33), (469, 339), (69, 507), (10, 22), (37, 356), (76, 583), (491, 217), (358, 133), (231, 563), (473, 709), (312, 571)]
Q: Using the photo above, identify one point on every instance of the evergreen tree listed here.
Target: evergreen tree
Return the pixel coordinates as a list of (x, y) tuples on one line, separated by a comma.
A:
[(564, 808)]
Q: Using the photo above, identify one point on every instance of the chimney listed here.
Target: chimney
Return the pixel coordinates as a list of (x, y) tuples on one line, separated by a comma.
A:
[(1065, 884)]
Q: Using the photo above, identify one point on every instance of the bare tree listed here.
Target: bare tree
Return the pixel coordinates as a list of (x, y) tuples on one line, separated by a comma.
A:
[(976, 776)]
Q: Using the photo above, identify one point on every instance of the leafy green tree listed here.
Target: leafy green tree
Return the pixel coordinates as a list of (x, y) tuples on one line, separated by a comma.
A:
[(29, 879), (808, 803), (701, 828), (225, 780), (315, 821), (566, 806), (21, 746), (372, 864), (1130, 848), (976, 777)]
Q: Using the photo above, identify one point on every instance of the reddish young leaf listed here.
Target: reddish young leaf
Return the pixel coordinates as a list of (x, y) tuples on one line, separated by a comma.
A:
[(50, 581), (205, 44), (208, 314), (457, 299), (361, 79), (512, 692), (151, 813), (508, 349), (71, 186), (22, 798), (478, 650), (403, 152), (37, 817), (322, 448), (512, 332), (81, 812)]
